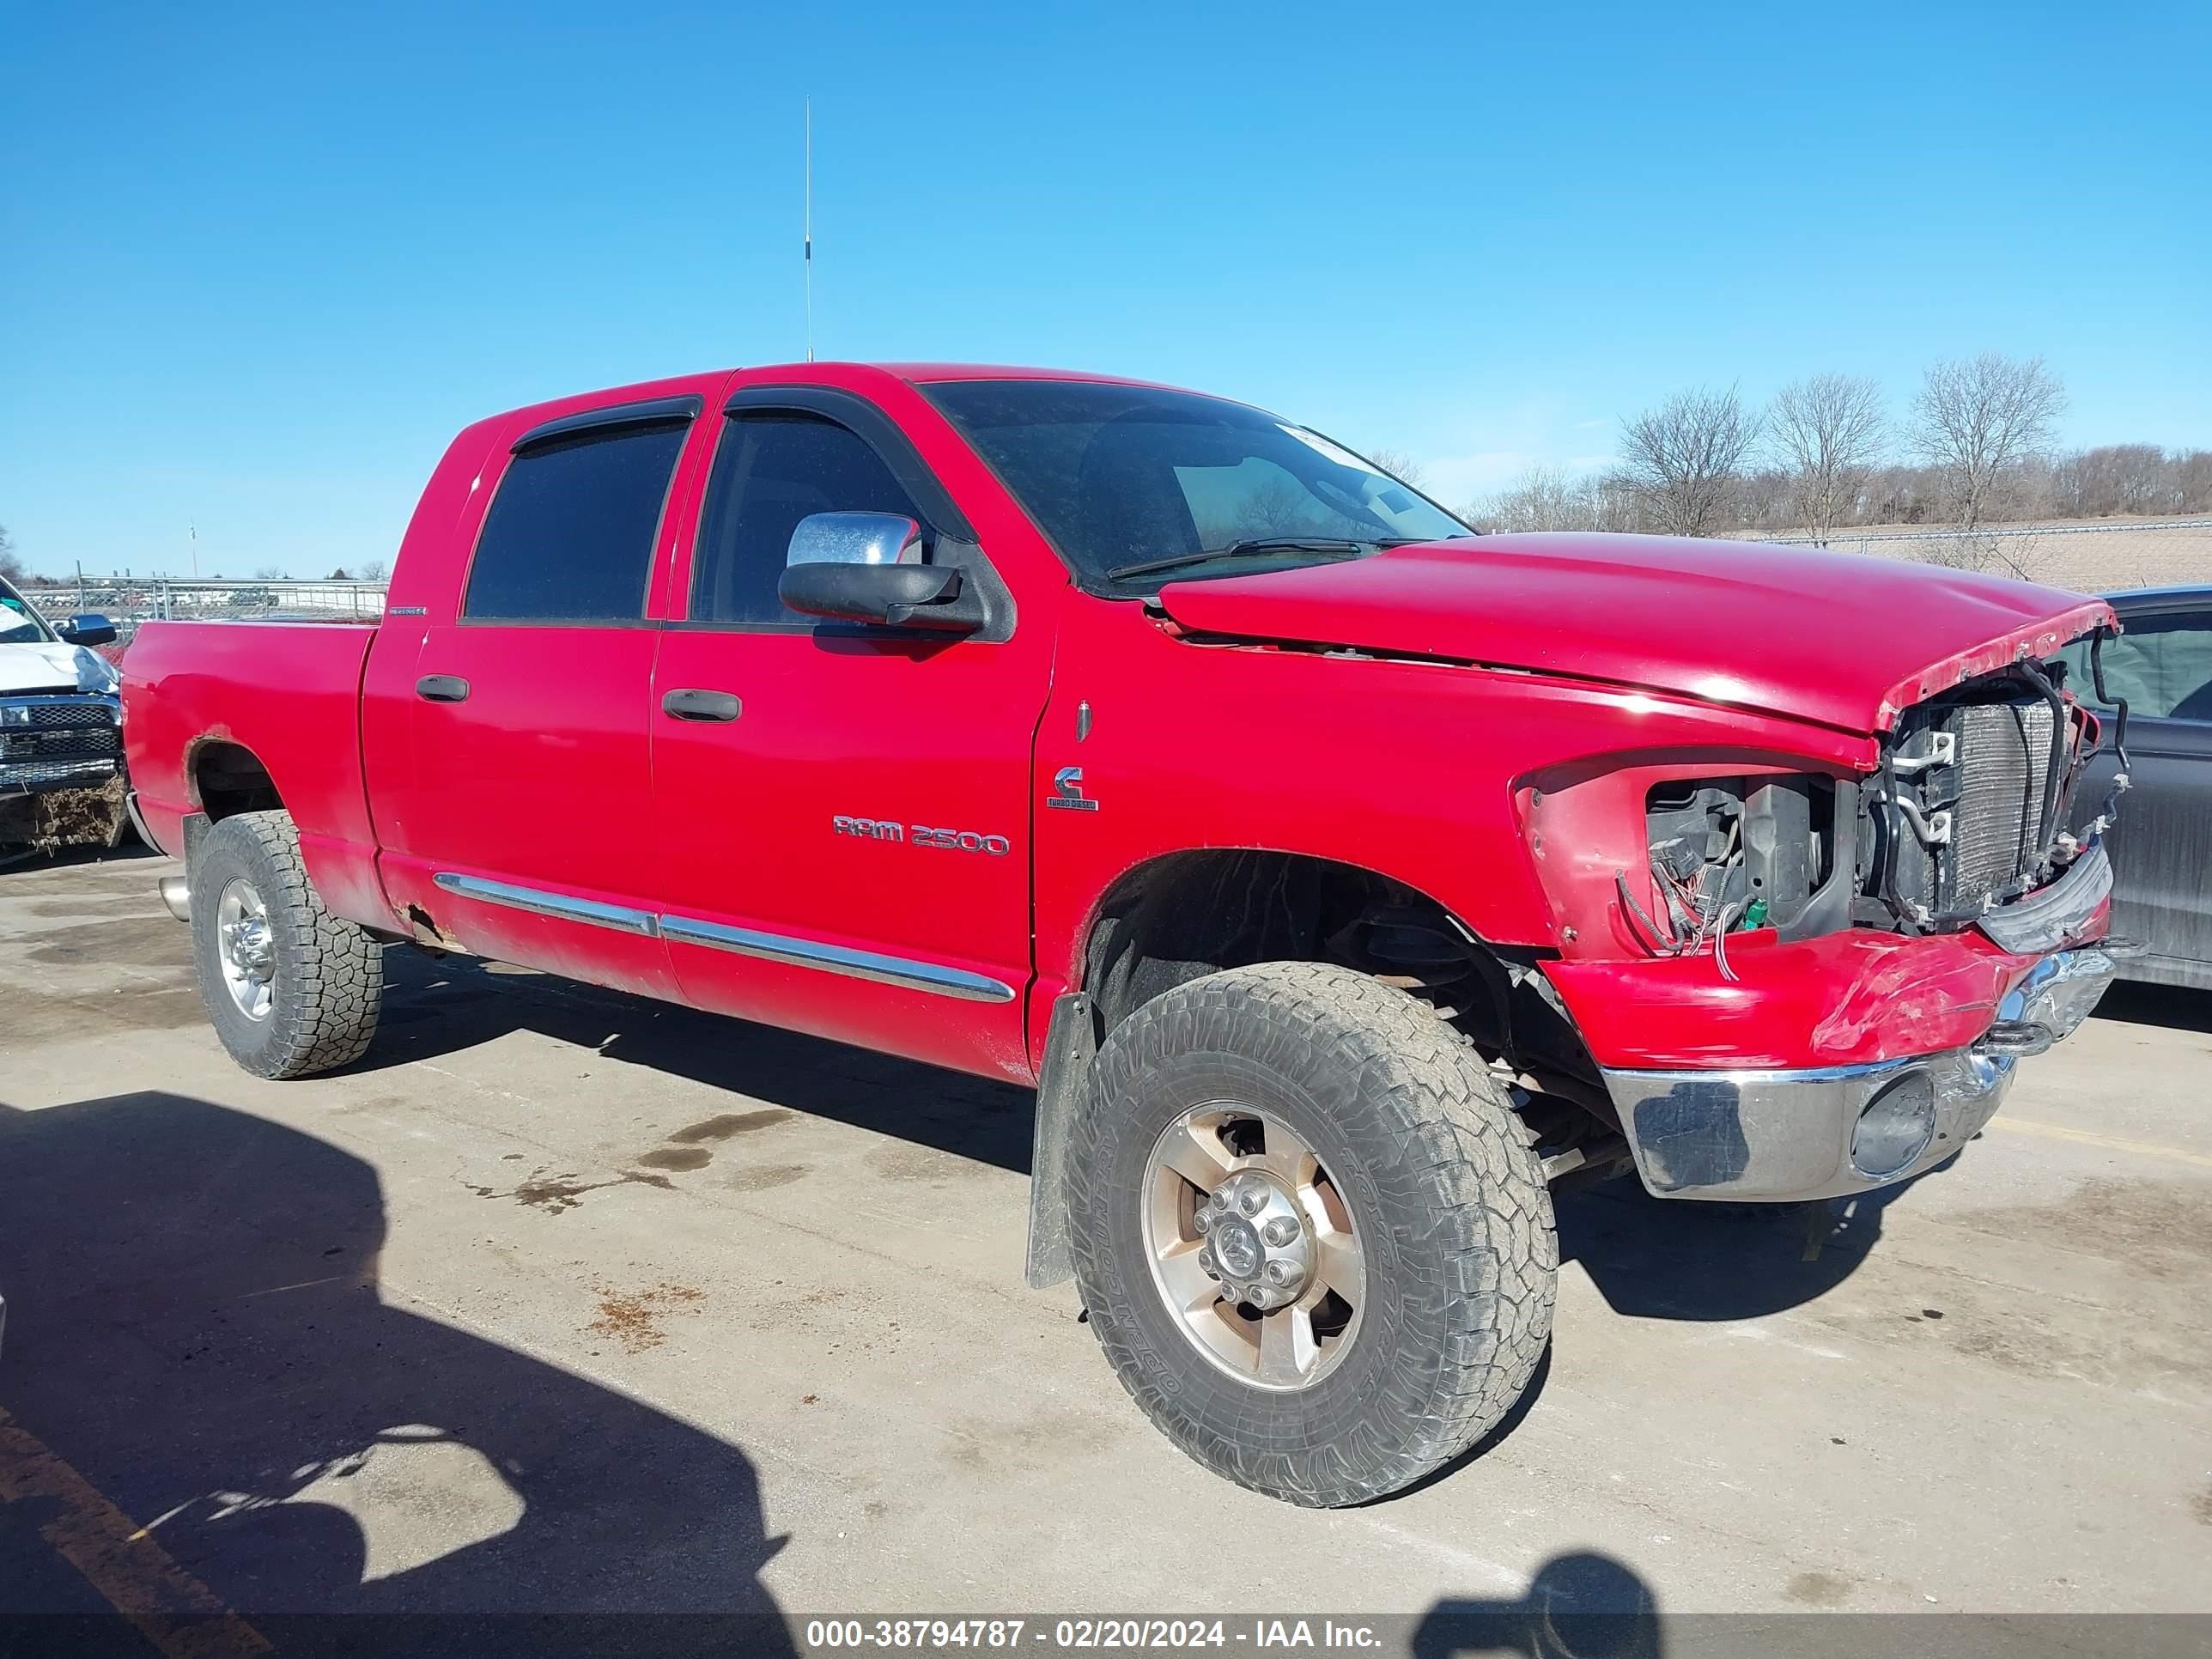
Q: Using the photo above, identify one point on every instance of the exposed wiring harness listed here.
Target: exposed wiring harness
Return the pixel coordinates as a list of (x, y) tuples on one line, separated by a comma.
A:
[(1696, 911)]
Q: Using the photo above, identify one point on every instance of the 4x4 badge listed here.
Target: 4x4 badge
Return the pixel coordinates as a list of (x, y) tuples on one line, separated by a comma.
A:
[(1067, 792)]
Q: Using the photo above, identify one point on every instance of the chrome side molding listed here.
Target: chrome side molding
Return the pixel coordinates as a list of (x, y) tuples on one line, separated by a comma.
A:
[(539, 903), (839, 959), (903, 971)]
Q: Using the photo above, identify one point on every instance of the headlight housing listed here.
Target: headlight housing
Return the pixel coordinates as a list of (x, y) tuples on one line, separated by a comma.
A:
[(1771, 850)]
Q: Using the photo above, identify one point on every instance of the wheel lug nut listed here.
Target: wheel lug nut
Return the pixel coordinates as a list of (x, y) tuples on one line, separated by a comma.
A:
[(1202, 1220), (1281, 1231), (1250, 1199), (1281, 1273), (1206, 1260)]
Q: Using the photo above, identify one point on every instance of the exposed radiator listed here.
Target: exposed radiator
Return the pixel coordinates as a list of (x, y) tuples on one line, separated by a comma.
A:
[(2004, 762)]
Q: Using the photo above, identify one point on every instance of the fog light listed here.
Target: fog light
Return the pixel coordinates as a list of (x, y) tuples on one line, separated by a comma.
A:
[(1895, 1127), (15, 713)]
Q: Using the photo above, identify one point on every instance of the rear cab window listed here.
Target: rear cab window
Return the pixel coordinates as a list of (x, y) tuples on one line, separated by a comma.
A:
[(569, 537)]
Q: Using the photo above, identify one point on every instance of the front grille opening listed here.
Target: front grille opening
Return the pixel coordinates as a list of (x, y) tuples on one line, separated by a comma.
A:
[(1966, 813)]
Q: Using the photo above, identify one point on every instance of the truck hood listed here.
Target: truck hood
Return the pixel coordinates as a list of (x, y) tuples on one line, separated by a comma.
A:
[(1846, 640), (54, 667)]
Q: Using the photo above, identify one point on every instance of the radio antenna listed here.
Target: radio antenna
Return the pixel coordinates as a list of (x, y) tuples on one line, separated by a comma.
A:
[(808, 245)]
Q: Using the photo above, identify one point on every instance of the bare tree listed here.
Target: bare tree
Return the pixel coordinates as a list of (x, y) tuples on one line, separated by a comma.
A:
[(1827, 435), (271, 572), (371, 570), (1683, 459), (12, 568), (1977, 418), (1399, 464), (1546, 498)]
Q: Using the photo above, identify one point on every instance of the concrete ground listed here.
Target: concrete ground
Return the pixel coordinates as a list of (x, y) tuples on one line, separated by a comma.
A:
[(561, 1300)]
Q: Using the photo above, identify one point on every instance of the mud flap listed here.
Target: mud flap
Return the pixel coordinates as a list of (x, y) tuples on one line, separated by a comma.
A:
[(1071, 1043)]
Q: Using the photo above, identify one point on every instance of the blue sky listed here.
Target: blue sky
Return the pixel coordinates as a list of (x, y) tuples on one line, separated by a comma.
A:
[(259, 264)]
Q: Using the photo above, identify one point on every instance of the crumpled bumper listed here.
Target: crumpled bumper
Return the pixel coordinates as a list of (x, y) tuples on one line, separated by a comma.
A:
[(1775, 1136)]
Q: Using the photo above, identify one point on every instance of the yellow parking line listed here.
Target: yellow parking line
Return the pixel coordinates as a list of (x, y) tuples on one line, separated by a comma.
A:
[(2110, 1143), (171, 1608)]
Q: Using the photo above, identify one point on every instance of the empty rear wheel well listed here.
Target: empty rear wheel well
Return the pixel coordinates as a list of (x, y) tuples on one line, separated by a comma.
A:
[(228, 778), (1188, 914)]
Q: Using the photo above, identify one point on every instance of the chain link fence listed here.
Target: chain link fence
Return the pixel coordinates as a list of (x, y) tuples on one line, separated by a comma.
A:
[(2094, 558), (128, 600)]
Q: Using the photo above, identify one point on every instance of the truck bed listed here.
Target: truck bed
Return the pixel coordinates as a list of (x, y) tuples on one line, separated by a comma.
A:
[(290, 693)]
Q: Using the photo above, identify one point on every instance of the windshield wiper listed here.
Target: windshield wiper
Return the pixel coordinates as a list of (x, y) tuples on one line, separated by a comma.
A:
[(1254, 546)]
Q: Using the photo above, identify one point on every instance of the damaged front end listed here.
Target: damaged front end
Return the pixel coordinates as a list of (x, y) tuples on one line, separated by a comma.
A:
[(1961, 824), (1942, 918)]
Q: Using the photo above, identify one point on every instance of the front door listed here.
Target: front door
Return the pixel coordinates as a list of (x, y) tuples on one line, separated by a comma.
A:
[(844, 813)]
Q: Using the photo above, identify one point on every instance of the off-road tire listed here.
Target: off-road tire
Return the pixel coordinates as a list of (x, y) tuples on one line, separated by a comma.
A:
[(1450, 1205), (329, 978)]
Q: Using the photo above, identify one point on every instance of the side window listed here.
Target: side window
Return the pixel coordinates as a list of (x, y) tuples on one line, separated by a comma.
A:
[(2162, 664), (570, 535), (771, 470)]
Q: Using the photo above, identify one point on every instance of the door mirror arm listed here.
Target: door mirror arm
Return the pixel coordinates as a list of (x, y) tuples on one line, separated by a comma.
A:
[(929, 596), (867, 568)]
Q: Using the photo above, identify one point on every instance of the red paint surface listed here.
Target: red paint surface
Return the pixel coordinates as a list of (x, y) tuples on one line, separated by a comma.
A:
[(1834, 637), (1849, 997), (1510, 792)]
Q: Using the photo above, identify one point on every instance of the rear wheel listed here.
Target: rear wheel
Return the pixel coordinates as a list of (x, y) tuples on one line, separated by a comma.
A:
[(288, 988), (1308, 1230)]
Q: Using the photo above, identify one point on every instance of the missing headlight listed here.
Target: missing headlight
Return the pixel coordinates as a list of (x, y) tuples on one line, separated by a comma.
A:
[(1751, 852)]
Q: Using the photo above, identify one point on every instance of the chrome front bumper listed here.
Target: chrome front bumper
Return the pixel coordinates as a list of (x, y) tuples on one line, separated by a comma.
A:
[(1774, 1137)]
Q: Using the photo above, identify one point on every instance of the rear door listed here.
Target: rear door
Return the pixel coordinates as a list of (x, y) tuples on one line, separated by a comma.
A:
[(844, 813), (2162, 844), (515, 824)]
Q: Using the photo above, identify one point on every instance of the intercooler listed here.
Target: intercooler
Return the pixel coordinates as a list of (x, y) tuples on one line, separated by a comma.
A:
[(1998, 829), (1974, 775)]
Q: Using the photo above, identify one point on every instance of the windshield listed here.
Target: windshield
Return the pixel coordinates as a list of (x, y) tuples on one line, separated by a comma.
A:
[(19, 623), (1124, 475)]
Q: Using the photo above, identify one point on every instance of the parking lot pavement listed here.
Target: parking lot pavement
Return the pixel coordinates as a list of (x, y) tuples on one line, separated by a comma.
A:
[(562, 1299)]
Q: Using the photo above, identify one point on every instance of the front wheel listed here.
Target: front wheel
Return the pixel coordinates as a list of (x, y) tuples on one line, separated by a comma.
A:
[(289, 989), (1308, 1230)]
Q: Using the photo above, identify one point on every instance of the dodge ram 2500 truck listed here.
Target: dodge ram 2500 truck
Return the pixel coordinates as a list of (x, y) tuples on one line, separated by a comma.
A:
[(1339, 877)]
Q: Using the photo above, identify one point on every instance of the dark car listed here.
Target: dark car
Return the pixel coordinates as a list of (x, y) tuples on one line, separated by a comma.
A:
[(2162, 844)]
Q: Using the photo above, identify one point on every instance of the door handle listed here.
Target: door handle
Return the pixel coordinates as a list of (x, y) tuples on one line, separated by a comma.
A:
[(443, 688), (694, 705)]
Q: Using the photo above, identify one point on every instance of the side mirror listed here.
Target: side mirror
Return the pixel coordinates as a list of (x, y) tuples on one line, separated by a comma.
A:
[(87, 630), (854, 538), (866, 568)]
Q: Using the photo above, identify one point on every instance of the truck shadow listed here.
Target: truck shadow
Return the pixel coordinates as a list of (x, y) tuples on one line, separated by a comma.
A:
[(2173, 1007), (1678, 1259), (195, 1326), (1650, 1258), (435, 1006)]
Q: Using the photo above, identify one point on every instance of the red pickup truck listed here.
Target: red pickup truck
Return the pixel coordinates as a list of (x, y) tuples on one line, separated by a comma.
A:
[(1339, 877)]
